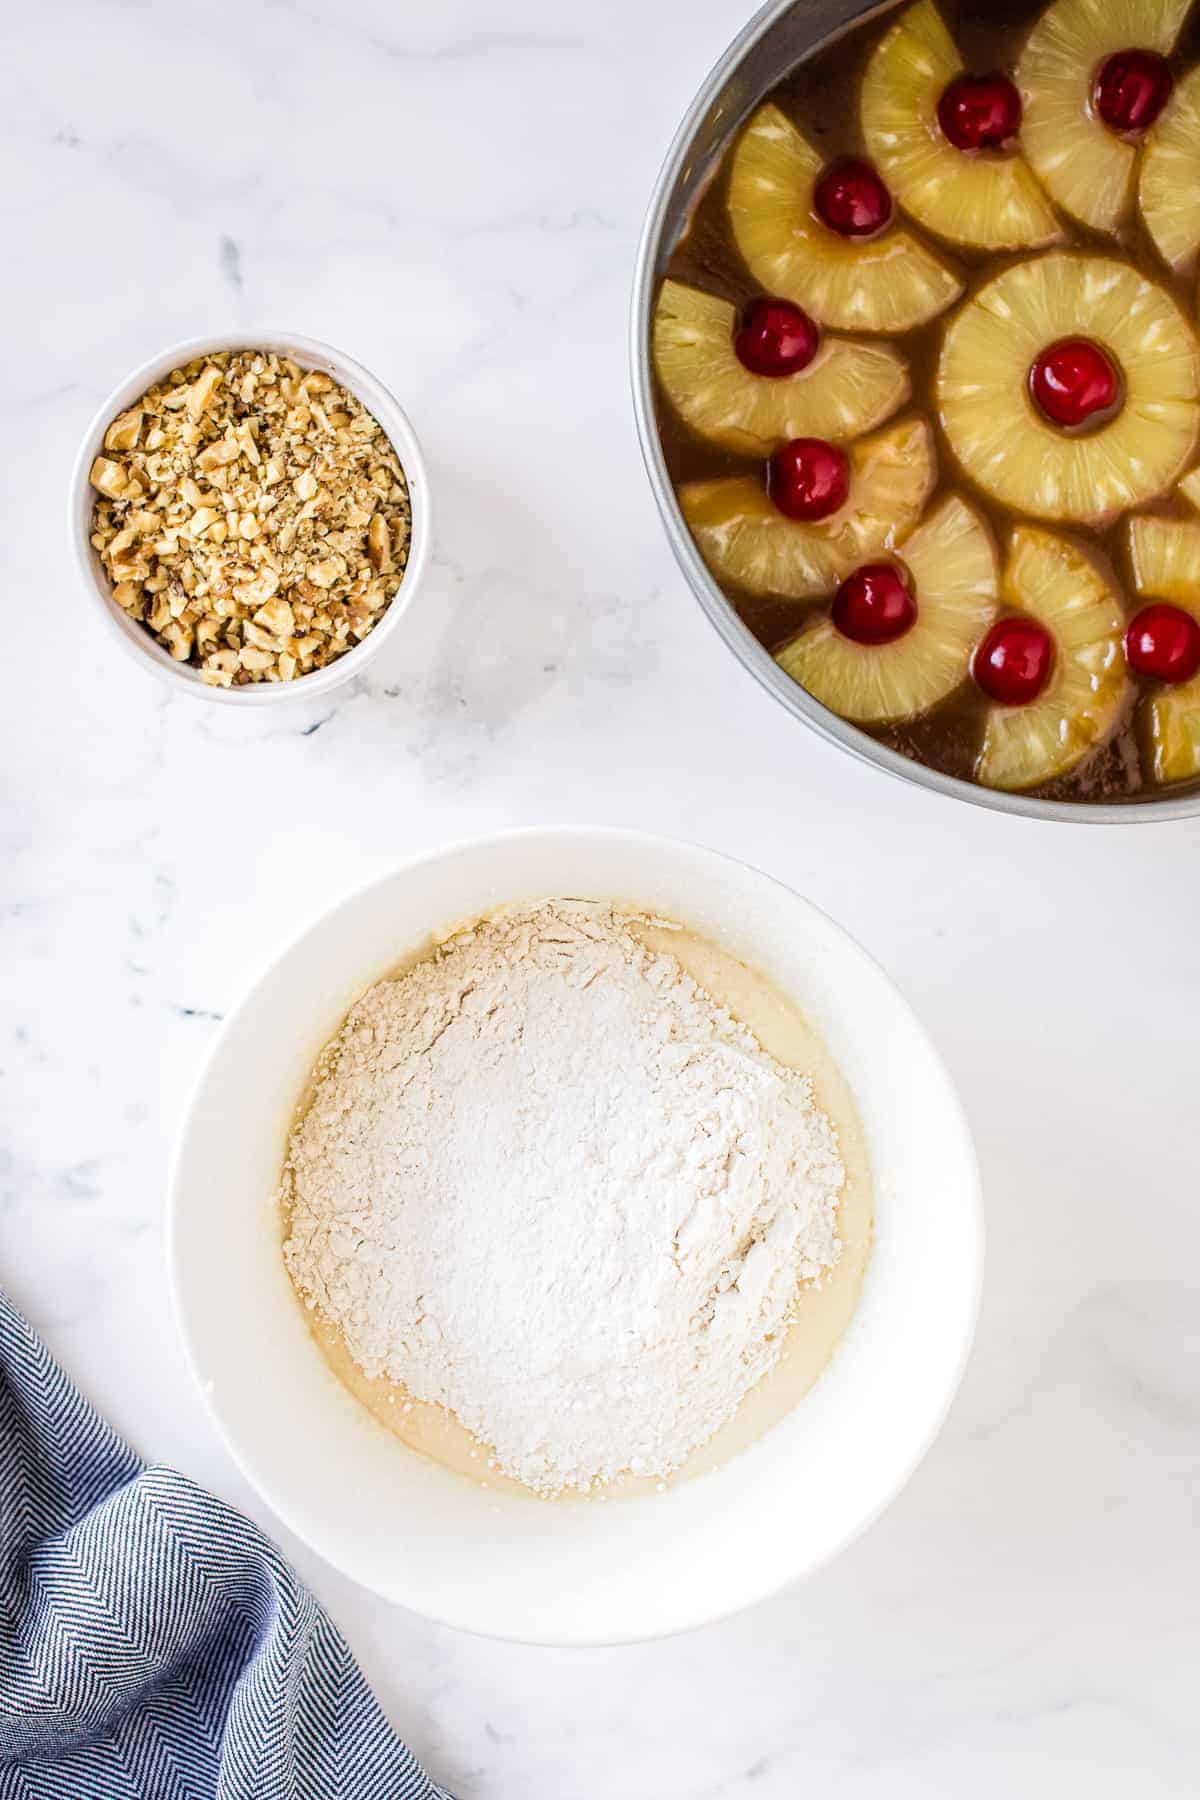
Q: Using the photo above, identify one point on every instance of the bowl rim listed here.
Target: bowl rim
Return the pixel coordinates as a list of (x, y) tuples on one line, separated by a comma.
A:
[(397, 427), (969, 1201), (756, 660)]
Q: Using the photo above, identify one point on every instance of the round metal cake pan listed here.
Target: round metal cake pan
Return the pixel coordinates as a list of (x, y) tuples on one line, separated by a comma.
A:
[(781, 35)]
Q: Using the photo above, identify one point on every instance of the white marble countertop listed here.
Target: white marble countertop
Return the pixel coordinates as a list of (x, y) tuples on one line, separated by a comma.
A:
[(453, 193)]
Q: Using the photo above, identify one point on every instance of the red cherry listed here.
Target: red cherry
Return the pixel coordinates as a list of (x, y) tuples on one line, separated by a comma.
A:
[(808, 478), (1074, 380), (1013, 663), (874, 606), (1164, 642), (1131, 88), (851, 199), (776, 338), (980, 112)]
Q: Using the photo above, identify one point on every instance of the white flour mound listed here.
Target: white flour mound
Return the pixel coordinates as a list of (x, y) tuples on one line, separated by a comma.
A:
[(546, 1181)]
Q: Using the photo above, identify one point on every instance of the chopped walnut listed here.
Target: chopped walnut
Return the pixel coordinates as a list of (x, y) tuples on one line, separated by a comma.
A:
[(252, 515)]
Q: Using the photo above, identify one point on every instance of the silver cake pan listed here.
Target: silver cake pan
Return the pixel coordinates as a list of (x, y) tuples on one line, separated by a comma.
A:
[(774, 41)]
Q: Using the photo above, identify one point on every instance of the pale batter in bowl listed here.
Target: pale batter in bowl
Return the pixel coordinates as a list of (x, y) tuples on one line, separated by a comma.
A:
[(798, 1337)]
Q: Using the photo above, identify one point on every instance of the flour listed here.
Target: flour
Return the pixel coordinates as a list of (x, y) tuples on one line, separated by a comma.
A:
[(547, 1182)]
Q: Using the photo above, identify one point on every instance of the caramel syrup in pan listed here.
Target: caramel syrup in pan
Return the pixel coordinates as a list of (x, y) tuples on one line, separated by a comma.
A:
[(822, 96)]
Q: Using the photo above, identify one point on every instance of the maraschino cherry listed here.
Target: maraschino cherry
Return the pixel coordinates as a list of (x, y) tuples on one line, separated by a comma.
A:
[(874, 605), (980, 112), (851, 198), (1130, 90), (808, 479), (776, 338), (1074, 381), (1164, 642), (1013, 663)]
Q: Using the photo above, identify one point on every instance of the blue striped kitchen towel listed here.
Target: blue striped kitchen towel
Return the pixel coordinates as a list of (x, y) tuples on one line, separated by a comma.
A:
[(154, 1645)]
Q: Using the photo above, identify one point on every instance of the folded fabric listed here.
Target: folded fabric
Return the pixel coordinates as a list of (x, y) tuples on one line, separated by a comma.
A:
[(154, 1645)]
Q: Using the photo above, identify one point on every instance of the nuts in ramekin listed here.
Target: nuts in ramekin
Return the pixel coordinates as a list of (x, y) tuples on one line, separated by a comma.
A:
[(252, 515)]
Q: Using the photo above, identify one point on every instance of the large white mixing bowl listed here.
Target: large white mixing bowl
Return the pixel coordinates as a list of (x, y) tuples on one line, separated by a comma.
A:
[(575, 1572)]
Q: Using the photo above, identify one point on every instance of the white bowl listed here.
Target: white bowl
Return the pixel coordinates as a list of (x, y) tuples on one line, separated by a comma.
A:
[(137, 641), (599, 1572)]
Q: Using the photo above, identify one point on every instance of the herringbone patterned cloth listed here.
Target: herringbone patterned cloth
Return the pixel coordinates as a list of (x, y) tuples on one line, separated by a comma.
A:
[(154, 1645)]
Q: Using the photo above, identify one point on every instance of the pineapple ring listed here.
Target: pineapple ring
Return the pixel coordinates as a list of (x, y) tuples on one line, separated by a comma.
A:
[(746, 540), (846, 389), (1165, 558), (991, 202), (1054, 582), (887, 283), (951, 562), (995, 429), (1169, 189), (1083, 167)]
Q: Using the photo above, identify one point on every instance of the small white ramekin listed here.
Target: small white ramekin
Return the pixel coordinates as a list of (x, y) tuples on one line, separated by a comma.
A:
[(138, 642)]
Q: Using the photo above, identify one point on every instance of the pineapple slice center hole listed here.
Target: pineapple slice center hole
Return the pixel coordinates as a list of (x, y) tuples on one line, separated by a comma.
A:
[(1163, 643), (1077, 385), (1015, 661), (980, 112), (808, 479), (1130, 89), (775, 337), (875, 605), (852, 198)]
